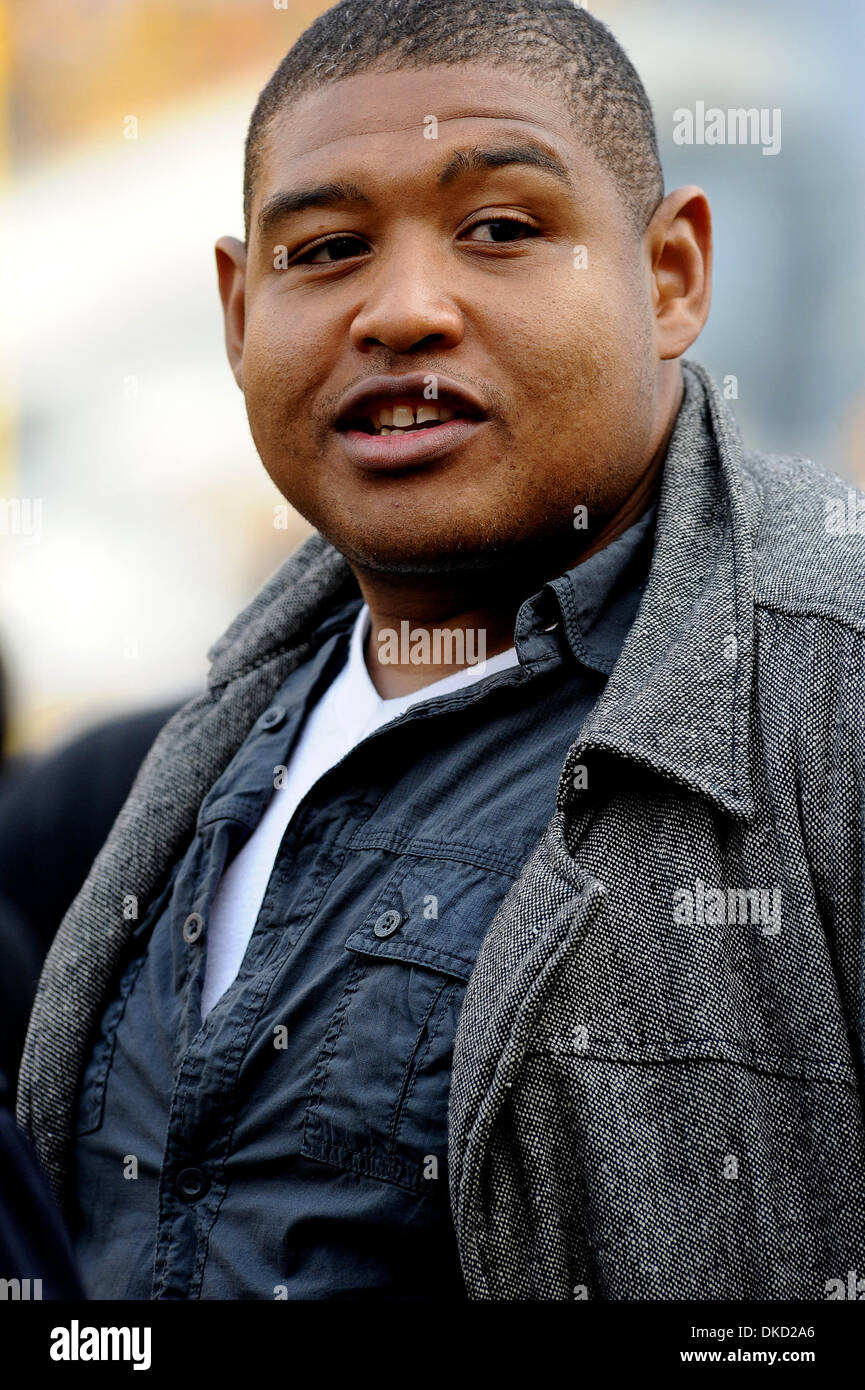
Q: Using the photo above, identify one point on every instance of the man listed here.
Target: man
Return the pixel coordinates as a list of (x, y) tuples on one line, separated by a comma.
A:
[(404, 975)]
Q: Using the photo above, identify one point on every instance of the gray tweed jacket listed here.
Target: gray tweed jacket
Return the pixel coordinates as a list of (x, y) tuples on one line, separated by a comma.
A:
[(657, 1086)]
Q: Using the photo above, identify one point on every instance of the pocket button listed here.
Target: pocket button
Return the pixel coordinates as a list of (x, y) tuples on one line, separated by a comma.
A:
[(388, 923)]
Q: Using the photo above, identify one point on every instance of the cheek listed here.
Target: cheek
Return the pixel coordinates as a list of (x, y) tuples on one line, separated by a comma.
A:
[(280, 368), (575, 346)]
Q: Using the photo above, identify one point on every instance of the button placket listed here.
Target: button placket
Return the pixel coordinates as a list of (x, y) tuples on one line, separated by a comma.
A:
[(191, 1184)]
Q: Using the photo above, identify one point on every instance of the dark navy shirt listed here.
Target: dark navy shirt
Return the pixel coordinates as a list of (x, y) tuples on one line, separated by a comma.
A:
[(294, 1145)]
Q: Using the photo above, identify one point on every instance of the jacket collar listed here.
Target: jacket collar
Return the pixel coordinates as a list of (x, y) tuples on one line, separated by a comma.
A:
[(285, 613), (679, 697)]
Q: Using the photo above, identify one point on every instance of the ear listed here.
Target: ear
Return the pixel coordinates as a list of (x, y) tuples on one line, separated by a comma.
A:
[(679, 244), (231, 270)]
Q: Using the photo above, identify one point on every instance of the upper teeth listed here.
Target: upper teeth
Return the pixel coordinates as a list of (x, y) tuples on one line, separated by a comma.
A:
[(400, 417)]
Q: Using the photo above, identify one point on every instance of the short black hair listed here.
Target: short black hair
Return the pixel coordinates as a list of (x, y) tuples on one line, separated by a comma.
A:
[(555, 39)]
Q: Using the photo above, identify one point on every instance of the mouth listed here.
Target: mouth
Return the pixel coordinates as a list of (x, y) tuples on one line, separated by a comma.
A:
[(406, 415), (387, 431)]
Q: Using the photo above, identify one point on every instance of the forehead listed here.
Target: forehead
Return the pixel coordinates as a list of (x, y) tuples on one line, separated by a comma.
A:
[(379, 123)]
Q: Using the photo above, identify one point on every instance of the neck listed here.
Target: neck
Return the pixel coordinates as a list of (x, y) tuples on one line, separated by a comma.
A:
[(474, 612)]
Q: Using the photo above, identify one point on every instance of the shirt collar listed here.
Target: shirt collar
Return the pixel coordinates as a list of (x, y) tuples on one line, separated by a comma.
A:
[(359, 682), (593, 604)]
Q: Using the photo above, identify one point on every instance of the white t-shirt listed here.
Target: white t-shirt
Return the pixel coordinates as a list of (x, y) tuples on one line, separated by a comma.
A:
[(349, 711)]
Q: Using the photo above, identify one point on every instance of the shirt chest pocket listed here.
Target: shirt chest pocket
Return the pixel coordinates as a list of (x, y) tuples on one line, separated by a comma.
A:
[(379, 1095)]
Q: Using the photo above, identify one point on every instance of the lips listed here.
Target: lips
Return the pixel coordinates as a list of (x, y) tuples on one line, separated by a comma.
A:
[(411, 401), (380, 453)]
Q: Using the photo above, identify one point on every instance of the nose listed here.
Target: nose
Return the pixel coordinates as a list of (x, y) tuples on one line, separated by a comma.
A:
[(405, 303)]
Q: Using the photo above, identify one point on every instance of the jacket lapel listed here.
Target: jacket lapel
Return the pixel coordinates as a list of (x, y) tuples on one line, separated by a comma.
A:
[(545, 915)]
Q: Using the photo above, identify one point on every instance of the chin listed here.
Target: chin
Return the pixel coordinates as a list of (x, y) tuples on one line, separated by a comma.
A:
[(444, 554), (406, 560), (401, 552)]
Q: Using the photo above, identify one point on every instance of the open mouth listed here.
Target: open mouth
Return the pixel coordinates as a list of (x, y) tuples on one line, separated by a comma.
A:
[(405, 417)]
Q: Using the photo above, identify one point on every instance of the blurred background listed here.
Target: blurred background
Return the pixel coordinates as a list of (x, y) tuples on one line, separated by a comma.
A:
[(138, 519)]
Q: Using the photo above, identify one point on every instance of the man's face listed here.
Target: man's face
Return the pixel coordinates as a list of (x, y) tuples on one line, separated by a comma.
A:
[(529, 291)]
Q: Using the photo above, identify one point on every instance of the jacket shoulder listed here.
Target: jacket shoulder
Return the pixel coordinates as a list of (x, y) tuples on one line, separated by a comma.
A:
[(809, 542)]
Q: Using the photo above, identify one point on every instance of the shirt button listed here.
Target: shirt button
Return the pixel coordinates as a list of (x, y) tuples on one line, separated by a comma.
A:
[(273, 717), (192, 1183), (388, 923)]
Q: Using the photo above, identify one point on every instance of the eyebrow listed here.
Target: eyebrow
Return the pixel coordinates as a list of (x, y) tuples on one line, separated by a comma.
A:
[(341, 193), (525, 152), (323, 195)]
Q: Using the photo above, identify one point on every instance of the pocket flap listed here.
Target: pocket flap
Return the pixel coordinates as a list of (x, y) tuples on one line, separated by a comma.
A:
[(432, 912)]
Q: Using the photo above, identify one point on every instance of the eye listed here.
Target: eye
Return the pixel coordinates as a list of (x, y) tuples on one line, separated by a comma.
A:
[(311, 256), (507, 229)]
